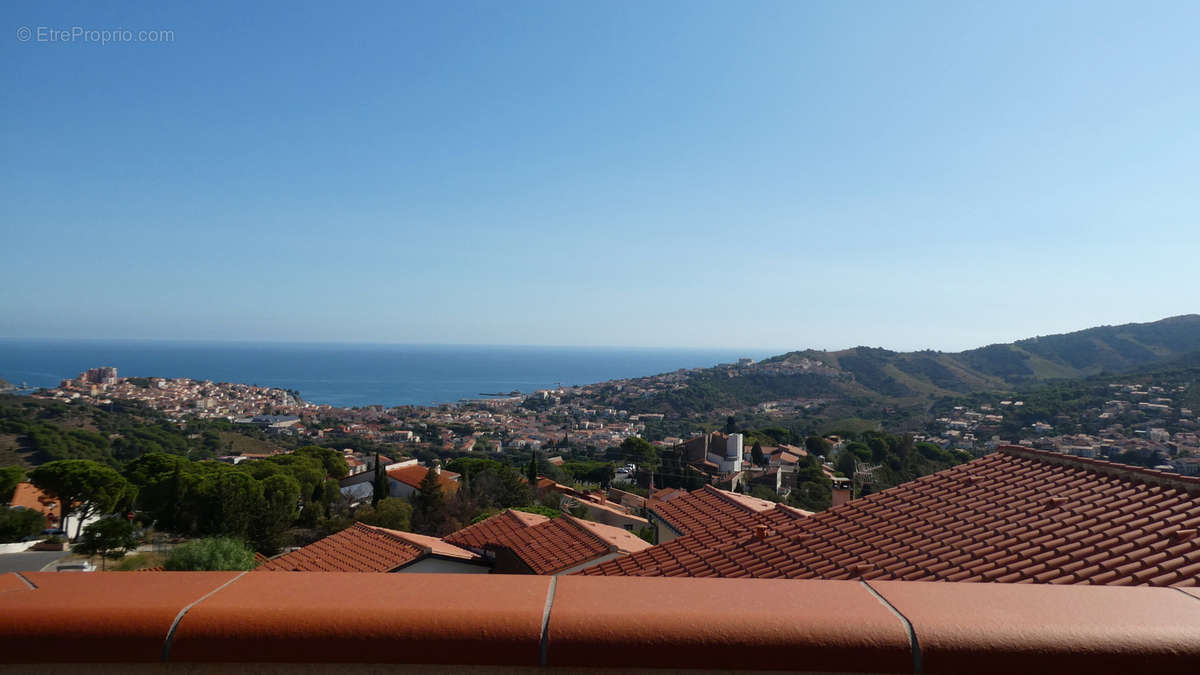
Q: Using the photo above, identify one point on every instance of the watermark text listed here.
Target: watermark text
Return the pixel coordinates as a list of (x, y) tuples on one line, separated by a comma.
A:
[(86, 35)]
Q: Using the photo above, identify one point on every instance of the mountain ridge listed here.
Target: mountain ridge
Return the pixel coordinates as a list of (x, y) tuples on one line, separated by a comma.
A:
[(874, 376)]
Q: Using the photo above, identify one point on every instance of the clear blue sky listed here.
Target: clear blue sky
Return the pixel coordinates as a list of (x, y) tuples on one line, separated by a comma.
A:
[(759, 175)]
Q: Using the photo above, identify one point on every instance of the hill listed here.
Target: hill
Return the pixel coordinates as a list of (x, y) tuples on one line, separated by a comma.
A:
[(872, 382)]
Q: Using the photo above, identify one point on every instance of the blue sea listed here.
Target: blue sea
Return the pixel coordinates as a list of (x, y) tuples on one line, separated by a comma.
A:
[(352, 374)]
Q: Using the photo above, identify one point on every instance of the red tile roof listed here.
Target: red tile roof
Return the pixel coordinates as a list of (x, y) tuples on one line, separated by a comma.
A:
[(414, 474), (709, 510), (545, 545), (29, 496), (497, 530), (1018, 515), (363, 548)]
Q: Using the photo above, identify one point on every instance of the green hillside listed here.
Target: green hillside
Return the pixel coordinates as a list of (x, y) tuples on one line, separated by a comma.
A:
[(855, 380)]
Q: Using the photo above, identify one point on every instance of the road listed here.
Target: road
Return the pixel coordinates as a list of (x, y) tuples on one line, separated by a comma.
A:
[(29, 561)]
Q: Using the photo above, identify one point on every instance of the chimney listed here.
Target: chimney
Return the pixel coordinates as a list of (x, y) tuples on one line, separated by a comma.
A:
[(760, 531), (840, 496), (437, 468)]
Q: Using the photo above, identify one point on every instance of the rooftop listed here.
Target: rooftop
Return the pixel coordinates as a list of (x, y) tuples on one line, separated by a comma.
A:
[(364, 548), (1018, 515), (547, 545)]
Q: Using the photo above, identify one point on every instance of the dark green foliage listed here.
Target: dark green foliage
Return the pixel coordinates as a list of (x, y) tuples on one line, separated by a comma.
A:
[(380, 486), (429, 506), (207, 555), (17, 524), (815, 445), (333, 462), (109, 537), (675, 473), (813, 491), (868, 367), (531, 470), (490, 484), (757, 456), (123, 431), (280, 496), (588, 471), (392, 513), (10, 476), (1000, 360), (640, 452), (92, 487)]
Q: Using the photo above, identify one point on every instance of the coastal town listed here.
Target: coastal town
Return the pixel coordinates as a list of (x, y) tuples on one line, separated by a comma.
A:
[(1139, 424)]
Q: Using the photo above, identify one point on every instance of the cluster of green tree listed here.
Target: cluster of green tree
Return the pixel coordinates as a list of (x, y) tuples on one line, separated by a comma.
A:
[(112, 434), (485, 486), (10, 476), (256, 501), (896, 457), (19, 524), (709, 390)]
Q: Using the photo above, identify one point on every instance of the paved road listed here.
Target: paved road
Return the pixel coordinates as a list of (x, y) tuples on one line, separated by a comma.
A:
[(29, 561)]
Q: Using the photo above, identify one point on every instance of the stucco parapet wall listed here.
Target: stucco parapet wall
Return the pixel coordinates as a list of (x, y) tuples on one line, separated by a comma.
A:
[(235, 622)]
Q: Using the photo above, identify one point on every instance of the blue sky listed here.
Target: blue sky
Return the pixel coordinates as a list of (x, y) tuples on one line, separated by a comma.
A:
[(757, 175)]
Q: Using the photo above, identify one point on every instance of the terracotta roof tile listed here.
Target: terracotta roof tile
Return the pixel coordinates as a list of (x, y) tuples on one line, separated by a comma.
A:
[(414, 473), (546, 545), (28, 496), (363, 548), (993, 519), (709, 510)]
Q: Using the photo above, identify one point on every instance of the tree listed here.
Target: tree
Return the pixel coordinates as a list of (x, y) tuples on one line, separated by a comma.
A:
[(531, 471), (380, 489), (16, 524), (730, 425), (429, 504), (281, 494), (757, 456), (639, 451), (10, 476), (332, 460), (201, 555), (816, 446), (108, 537), (83, 487), (392, 513)]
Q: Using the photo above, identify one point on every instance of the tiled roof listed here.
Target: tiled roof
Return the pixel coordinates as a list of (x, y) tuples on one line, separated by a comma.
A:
[(415, 473), (1018, 515), (362, 548), (546, 545), (497, 530), (28, 496), (708, 509)]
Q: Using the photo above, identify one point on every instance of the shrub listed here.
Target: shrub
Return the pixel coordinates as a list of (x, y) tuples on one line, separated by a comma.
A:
[(16, 524), (393, 513), (204, 555)]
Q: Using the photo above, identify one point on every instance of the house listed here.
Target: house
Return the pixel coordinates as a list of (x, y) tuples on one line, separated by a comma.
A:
[(528, 543), (29, 496), (405, 480), (365, 548)]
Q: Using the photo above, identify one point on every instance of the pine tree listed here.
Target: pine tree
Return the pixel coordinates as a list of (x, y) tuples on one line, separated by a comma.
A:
[(429, 505), (531, 472), (380, 488)]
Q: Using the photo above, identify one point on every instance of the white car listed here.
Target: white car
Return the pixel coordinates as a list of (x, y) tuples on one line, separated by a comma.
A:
[(83, 566)]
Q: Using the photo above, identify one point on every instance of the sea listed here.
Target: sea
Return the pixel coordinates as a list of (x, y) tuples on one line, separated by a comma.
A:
[(347, 375)]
